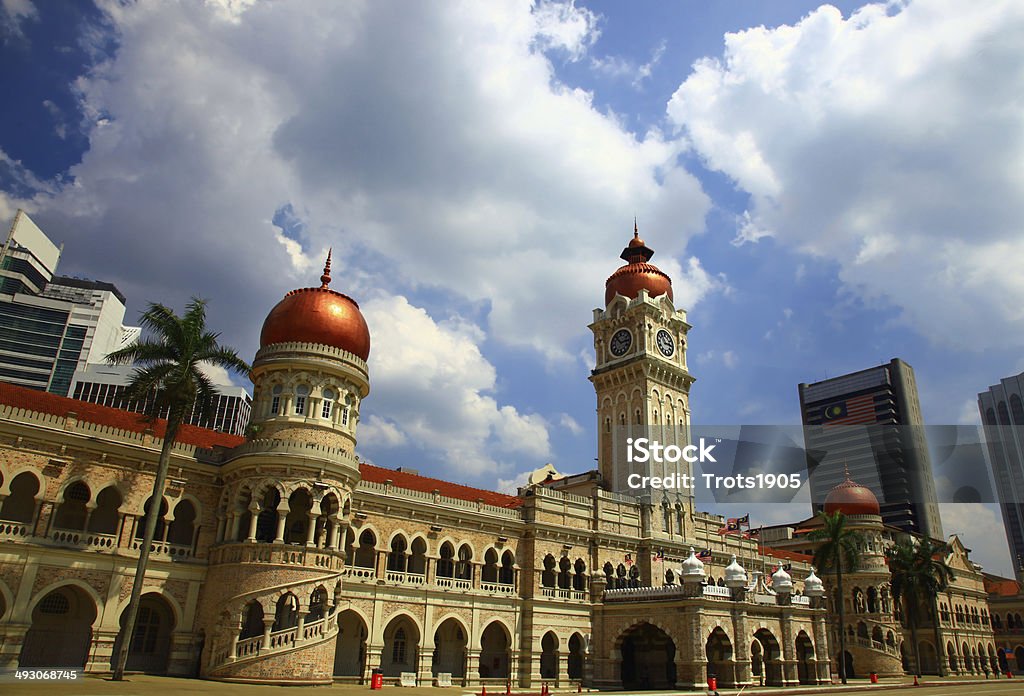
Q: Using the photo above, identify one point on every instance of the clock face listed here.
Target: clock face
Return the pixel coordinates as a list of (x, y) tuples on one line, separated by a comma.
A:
[(665, 343), (620, 342)]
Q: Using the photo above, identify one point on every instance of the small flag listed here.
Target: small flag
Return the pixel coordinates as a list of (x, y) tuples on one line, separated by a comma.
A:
[(629, 559), (732, 526), (745, 520), (706, 553), (752, 534), (659, 555)]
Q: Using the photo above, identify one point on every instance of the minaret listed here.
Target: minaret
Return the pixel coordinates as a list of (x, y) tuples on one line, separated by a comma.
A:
[(641, 380)]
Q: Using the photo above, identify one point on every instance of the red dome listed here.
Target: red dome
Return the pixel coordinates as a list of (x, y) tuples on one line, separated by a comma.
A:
[(318, 315), (637, 274), (851, 499)]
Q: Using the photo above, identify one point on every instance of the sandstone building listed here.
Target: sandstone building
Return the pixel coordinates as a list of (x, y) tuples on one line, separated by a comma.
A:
[(281, 558)]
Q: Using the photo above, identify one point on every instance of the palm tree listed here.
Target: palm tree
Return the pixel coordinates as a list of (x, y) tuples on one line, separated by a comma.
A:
[(838, 552), (919, 572), (169, 377)]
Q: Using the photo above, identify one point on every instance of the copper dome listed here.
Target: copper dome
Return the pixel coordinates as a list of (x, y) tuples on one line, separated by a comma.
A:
[(318, 315), (851, 498), (637, 274)]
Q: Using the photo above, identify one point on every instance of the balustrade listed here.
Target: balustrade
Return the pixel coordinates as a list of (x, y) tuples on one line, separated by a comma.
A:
[(69, 537)]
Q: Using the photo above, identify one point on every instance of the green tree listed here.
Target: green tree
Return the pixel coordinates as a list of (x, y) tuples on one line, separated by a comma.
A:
[(168, 377), (838, 552), (919, 573)]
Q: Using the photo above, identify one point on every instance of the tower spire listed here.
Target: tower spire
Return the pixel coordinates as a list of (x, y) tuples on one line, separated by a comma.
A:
[(325, 279)]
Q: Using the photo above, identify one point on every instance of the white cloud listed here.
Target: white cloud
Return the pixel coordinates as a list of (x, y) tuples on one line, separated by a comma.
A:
[(730, 359), (974, 524), (888, 142), (570, 424), (429, 143), (375, 431), (562, 25), (434, 388), (512, 485), (13, 14), (217, 374), (617, 67)]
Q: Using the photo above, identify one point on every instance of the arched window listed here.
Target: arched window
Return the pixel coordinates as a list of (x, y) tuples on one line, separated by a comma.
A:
[(287, 614), (507, 572), (609, 575), (670, 577), (106, 517), (183, 526), (300, 502), (579, 578), (20, 505), (72, 512), (1004, 415), (490, 569), (547, 576), (418, 560), (252, 621), (301, 394), (140, 529), (464, 568), (397, 557), (366, 554), (446, 562), (398, 647), (327, 404), (266, 520), (275, 401), (317, 605)]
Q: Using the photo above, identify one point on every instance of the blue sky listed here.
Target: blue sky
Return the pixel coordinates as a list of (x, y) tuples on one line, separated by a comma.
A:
[(828, 186)]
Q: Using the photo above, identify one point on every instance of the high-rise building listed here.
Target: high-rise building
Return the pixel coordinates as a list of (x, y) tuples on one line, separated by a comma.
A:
[(106, 385), (868, 425), (1002, 414), (52, 325)]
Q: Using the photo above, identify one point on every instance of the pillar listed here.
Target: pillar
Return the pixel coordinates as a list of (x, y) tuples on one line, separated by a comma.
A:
[(268, 624), (311, 530), (282, 518), (254, 513)]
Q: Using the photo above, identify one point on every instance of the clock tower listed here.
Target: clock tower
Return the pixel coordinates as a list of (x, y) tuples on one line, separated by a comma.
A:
[(642, 384)]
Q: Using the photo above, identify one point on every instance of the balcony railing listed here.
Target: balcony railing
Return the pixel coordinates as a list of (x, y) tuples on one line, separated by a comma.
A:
[(93, 540), (180, 551)]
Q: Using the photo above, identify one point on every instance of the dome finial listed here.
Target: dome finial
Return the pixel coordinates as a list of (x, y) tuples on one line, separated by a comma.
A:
[(325, 279), (636, 230), (846, 470)]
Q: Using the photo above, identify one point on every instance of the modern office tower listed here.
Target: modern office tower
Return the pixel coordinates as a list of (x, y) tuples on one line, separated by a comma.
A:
[(105, 385), (867, 426), (50, 326), (1002, 415)]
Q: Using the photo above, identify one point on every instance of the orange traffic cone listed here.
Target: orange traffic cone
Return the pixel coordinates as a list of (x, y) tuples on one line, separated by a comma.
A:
[(483, 690), (508, 688), (579, 688), (915, 681)]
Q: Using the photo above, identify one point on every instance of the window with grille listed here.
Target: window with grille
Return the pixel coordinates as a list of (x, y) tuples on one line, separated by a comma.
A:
[(398, 650), (55, 603)]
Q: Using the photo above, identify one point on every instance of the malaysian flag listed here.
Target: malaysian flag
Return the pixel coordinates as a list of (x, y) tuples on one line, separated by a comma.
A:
[(857, 410), (745, 520), (752, 534), (732, 526), (706, 553)]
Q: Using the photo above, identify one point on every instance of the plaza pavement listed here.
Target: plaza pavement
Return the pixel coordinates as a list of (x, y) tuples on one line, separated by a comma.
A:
[(144, 685)]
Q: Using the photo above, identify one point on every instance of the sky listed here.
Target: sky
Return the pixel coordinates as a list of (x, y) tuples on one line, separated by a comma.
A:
[(829, 187)]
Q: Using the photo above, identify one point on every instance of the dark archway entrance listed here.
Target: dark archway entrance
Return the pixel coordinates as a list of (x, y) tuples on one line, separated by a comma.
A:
[(494, 652), (771, 655), (61, 630), (575, 666), (718, 650), (648, 658), (350, 653), (805, 665), (450, 641), (151, 639), (549, 656), (848, 665)]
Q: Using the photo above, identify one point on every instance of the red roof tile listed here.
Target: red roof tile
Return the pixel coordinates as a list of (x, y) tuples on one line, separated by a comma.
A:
[(44, 402), (425, 484), (1003, 587)]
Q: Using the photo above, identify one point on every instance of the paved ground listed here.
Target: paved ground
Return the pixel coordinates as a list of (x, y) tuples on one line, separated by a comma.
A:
[(164, 686)]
